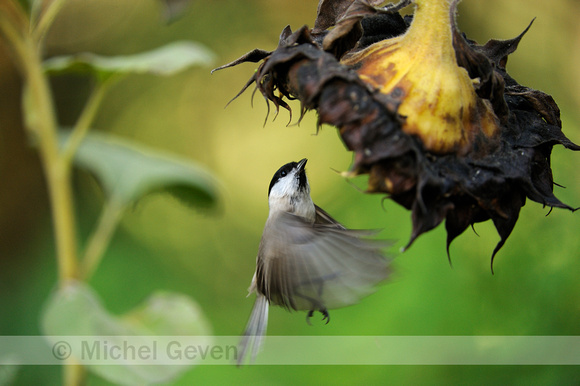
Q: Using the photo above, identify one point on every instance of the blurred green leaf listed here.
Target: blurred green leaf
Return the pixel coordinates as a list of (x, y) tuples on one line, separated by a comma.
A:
[(8, 371), (128, 171), (166, 60), (168, 312), (77, 310)]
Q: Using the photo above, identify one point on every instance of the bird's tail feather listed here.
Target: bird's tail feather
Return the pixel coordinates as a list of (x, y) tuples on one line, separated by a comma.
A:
[(255, 330)]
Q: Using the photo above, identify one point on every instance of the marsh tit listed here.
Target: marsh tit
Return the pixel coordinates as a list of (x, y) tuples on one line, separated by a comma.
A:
[(306, 259)]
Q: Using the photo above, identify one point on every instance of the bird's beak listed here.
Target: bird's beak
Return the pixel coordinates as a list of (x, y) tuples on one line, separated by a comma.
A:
[(302, 164)]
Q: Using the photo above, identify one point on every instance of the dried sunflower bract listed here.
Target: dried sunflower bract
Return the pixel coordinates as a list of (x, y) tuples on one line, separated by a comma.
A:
[(432, 117)]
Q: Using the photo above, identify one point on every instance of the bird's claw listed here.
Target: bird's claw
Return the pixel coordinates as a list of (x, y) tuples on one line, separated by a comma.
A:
[(308, 316), (325, 316)]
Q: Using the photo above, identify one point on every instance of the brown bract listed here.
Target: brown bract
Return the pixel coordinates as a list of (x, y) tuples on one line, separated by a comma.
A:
[(432, 117)]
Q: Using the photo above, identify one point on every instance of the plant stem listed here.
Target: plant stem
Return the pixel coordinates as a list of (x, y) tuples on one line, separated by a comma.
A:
[(57, 170), (85, 120), (46, 19), (73, 373), (40, 120), (14, 37), (101, 236)]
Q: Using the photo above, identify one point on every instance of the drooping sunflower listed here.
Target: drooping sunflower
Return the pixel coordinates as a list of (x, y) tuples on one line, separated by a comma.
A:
[(432, 117)]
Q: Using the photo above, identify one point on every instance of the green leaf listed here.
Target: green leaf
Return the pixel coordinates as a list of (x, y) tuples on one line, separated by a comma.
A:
[(153, 316), (8, 370), (167, 60), (76, 310), (127, 171)]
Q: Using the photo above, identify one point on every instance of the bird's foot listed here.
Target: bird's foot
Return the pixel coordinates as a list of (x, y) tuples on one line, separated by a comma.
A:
[(324, 312), (308, 316), (325, 315)]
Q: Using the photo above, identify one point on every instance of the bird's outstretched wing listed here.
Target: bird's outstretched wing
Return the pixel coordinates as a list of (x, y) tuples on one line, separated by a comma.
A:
[(317, 266), (324, 218)]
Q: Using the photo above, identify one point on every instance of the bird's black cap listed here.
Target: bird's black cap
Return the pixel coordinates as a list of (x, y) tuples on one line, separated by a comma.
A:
[(284, 170)]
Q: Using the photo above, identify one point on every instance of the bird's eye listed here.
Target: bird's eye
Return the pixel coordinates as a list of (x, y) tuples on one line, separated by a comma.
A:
[(283, 173)]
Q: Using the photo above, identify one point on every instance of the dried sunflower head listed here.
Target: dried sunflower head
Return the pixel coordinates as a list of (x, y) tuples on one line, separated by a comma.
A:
[(432, 117)]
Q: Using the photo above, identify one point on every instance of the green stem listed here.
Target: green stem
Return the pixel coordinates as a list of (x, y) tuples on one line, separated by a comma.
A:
[(46, 20), (40, 120), (85, 120), (63, 219), (14, 37), (99, 240), (41, 123), (74, 374)]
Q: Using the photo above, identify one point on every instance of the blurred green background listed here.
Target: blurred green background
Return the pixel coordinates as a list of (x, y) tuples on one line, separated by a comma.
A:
[(210, 256)]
